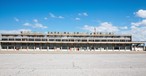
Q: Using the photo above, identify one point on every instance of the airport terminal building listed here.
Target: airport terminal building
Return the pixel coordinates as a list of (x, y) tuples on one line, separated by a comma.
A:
[(68, 41)]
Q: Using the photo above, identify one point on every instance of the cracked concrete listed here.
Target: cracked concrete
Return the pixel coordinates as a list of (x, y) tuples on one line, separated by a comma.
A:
[(72, 64), (75, 66)]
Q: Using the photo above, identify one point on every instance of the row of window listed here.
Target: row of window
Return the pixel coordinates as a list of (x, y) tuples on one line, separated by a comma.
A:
[(71, 40), (63, 47)]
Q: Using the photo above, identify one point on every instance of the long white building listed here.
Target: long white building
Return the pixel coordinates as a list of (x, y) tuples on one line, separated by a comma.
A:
[(67, 41)]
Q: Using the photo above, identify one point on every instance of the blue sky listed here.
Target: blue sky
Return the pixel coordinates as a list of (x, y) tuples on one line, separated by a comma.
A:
[(72, 15)]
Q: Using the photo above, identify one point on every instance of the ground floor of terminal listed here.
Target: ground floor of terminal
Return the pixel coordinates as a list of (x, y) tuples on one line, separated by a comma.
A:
[(69, 47)]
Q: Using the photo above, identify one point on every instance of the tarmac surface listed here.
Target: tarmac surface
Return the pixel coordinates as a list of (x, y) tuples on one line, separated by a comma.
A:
[(72, 64)]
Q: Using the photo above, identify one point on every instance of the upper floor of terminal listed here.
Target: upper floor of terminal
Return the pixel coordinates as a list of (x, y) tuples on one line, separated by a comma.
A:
[(65, 36)]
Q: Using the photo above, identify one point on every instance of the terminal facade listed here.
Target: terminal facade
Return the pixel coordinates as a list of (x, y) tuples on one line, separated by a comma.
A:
[(69, 41)]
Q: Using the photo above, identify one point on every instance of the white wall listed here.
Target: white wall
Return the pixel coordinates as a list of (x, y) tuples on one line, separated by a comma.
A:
[(137, 49)]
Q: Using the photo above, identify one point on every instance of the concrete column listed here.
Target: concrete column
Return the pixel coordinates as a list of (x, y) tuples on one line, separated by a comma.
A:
[(54, 48), (0, 46), (41, 46), (21, 47), (34, 47), (27, 47), (0, 42), (119, 48), (60, 48), (131, 48), (106, 48), (87, 48), (143, 47), (47, 48), (14, 47), (125, 48), (67, 48), (81, 48), (113, 48), (134, 48), (7, 48)]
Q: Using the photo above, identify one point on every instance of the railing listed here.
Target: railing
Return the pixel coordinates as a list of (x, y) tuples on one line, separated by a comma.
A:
[(66, 41), (67, 38)]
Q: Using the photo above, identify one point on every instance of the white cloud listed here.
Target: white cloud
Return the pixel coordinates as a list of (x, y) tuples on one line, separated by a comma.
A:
[(141, 23), (103, 27), (35, 20), (106, 26), (138, 33), (77, 19), (39, 25), (27, 24), (141, 13), (124, 27), (88, 28), (16, 19), (83, 14), (14, 31), (52, 15), (138, 30), (61, 17), (45, 18), (35, 25)]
